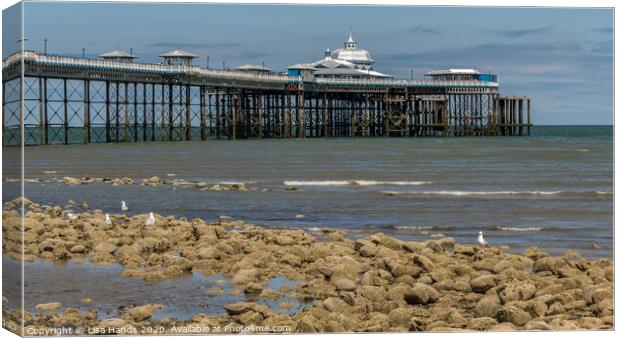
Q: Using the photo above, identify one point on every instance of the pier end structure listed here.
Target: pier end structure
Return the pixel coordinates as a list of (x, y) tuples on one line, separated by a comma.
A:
[(79, 100)]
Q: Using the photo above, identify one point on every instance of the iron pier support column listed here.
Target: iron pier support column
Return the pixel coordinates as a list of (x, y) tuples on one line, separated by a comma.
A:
[(86, 111)]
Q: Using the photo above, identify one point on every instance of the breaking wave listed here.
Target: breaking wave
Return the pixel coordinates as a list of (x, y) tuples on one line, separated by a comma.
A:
[(470, 193), (422, 227), (518, 229), (353, 183)]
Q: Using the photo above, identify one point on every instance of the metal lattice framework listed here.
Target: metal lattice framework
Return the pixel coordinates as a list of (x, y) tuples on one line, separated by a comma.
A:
[(91, 101)]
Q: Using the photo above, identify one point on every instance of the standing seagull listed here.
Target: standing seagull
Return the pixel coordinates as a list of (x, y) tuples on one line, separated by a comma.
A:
[(481, 240), (72, 217), (124, 206), (151, 220), (108, 221)]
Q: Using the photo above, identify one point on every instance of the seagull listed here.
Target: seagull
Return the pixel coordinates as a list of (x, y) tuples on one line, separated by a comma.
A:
[(481, 240), (124, 206), (108, 221), (151, 220), (72, 217)]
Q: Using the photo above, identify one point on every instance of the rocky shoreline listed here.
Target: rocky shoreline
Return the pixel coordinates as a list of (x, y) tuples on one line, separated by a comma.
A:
[(373, 284)]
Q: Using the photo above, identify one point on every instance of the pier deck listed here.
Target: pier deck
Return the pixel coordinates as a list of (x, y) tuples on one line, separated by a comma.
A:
[(73, 100)]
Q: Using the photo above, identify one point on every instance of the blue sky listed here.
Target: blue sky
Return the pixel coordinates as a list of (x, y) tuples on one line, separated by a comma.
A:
[(562, 58)]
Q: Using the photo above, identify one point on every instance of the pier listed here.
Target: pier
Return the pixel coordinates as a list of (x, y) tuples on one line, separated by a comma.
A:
[(78, 100)]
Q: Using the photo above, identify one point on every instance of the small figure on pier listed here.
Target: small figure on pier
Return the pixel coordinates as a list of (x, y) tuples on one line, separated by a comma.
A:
[(124, 206)]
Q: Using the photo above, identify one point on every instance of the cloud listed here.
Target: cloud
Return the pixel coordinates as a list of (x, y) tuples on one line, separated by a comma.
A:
[(523, 32), (193, 45), (520, 62), (425, 30), (604, 30)]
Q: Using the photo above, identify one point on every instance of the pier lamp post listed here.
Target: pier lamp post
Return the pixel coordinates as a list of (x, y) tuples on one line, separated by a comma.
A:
[(207, 61), (45, 46), (83, 53)]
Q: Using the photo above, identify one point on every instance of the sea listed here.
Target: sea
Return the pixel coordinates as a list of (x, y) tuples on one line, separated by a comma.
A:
[(553, 189)]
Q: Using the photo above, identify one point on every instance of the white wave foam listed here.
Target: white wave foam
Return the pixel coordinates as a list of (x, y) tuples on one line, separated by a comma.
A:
[(519, 229), (407, 227), (353, 182), (471, 193)]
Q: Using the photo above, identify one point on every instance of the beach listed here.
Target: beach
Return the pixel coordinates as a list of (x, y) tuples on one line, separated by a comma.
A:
[(371, 284)]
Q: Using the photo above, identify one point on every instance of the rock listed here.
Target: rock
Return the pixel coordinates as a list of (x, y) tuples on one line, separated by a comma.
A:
[(270, 293), (513, 315), (238, 308), (594, 295), (48, 307), (534, 253), (483, 283), (345, 285), (423, 262), (72, 180), (482, 323), (487, 306), (590, 323), (112, 324), (421, 294), (152, 181), (308, 323), (105, 247), (209, 253), (466, 250), (214, 292), (551, 264), (517, 291), (538, 325), (284, 240), (250, 318), (252, 288), (372, 293), (145, 312), (86, 300), (78, 249), (333, 304), (245, 276), (400, 317)]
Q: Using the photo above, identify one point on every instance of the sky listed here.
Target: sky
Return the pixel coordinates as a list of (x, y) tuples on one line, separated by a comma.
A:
[(562, 58)]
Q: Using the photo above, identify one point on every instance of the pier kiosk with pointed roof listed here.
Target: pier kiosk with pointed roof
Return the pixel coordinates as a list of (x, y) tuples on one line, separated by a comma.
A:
[(118, 56), (178, 57)]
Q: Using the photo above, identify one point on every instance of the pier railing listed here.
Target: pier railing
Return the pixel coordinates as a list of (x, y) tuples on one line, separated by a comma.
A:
[(405, 83), (70, 62), (107, 65)]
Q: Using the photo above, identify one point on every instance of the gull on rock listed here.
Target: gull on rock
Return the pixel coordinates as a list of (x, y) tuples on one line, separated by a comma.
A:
[(151, 220), (481, 240), (108, 221), (124, 206), (72, 216)]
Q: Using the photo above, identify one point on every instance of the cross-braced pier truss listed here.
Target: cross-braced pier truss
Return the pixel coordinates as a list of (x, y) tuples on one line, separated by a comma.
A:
[(70, 100)]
